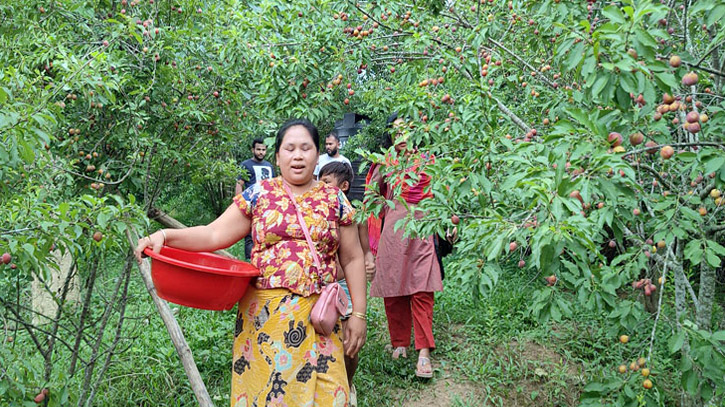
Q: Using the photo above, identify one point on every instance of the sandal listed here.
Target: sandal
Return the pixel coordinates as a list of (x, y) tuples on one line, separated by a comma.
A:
[(400, 351), (424, 369)]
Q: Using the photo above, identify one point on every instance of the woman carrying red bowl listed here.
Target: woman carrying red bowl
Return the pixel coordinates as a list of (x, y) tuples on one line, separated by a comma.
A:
[(278, 358)]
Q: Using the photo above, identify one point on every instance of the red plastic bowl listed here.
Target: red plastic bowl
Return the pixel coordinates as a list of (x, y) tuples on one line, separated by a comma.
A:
[(199, 279)]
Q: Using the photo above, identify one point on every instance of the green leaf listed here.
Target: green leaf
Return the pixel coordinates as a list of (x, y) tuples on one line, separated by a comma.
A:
[(712, 258), (102, 219), (718, 336), (590, 63), (594, 388), (575, 56), (687, 156), (716, 14), (614, 14), (512, 181), (716, 247), (706, 390), (28, 248), (694, 251), (676, 341), (668, 80), (26, 151), (599, 84), (714, 164), (690, 213), (137, 37), (555, 312), (689, 381), (496, 247)]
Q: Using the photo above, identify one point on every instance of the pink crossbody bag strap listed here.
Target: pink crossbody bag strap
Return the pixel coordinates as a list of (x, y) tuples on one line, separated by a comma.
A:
[(306, 231), (332, 302)]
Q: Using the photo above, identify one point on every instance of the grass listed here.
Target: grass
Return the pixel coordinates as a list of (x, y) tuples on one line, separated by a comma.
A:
[(485, 345), (489, 353)]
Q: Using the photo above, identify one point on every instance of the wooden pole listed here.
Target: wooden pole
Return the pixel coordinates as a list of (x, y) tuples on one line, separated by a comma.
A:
[(163, 218), (177, 336)]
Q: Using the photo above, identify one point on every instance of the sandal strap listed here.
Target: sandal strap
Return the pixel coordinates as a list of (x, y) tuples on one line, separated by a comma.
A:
[(424, 368)]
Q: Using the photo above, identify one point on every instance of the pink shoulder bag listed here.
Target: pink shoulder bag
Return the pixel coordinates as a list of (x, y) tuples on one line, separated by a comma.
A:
[(333, 300)]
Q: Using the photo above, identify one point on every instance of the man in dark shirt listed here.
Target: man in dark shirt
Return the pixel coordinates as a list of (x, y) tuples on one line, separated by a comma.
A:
[(258, 169)]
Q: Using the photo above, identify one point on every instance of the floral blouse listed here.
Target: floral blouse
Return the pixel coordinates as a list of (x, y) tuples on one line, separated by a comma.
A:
[(280, 249)]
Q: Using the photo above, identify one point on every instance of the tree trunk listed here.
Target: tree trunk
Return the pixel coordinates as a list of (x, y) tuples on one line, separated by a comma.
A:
[(84, 314), (681, 311), (117, 338), (706, 296), (91, 365)]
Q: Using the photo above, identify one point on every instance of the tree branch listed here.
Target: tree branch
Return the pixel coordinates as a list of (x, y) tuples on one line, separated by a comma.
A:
[(659, 306), (699, 143), (369, 16), (510, 114), (654, 173), (706, 69), (538, 74)]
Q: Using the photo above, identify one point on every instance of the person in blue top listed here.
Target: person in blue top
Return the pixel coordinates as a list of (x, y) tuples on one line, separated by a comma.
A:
[(258, 169)]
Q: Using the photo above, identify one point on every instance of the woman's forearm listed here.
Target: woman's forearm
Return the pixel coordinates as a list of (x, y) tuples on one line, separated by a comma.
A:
[(223, 232), (362, 232), (353, 264), (356, 283)]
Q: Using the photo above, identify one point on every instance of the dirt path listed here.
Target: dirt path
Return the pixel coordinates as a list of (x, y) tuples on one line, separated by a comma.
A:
[(446, 391), (538, 366)]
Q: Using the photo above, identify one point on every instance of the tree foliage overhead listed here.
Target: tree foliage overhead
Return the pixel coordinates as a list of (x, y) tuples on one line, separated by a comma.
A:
[(581, 141)]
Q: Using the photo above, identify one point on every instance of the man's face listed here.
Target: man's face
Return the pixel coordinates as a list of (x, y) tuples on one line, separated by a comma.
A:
[(259, 151), (331, 145)]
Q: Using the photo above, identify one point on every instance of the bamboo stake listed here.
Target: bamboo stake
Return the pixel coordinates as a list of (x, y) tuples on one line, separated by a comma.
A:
[(175, 332), (163, 218)]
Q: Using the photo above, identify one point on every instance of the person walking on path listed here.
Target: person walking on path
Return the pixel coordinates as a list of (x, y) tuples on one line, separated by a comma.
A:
[(407, 269), (278, 357), (258, 169), (332, 146)]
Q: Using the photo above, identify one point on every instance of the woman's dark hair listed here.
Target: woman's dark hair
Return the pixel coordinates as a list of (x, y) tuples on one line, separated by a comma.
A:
[(297, 122), (342, 171), (387, 138)]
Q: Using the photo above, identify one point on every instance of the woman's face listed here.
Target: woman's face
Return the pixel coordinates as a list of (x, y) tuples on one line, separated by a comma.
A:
[(400, 135), (297, 156)]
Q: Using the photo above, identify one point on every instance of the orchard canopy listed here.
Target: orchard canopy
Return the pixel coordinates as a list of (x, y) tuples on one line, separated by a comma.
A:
[(579, 142)]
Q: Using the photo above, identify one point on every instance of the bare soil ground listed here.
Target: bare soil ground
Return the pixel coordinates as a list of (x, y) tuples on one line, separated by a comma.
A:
[(536, 381)]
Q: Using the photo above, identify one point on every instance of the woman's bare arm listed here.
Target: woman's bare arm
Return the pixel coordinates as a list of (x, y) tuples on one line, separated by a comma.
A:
[(351, 260), (223, 232)]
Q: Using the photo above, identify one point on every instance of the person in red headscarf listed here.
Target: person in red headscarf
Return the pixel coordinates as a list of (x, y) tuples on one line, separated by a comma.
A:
[(407, 269)]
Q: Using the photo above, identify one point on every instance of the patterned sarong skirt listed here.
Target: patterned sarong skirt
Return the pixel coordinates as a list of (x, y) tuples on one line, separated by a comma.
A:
[(279, 359)]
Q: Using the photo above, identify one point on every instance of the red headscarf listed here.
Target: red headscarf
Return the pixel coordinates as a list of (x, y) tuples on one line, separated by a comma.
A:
[(412, 194)]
